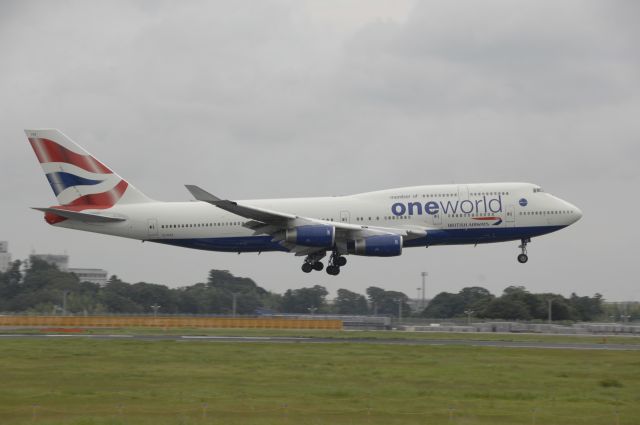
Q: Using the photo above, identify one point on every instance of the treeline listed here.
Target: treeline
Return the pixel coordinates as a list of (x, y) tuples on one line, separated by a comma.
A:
[(39, 287), (515, 303)]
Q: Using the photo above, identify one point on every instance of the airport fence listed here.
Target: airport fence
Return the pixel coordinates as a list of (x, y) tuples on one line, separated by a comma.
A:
[(583, 328), (172, 322)]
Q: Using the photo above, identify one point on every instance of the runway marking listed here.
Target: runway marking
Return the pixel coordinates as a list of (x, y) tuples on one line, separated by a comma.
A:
[(226, 337), (108, 336)]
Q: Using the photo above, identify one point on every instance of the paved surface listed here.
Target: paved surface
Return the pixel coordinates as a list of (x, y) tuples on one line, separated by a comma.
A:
[(301, 340)]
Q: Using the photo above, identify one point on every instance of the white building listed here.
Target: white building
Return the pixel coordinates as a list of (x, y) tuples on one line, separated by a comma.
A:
[(98, 276), (5, 256), (61, 261)]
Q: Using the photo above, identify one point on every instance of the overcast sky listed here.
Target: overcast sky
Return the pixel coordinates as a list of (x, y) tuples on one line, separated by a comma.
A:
[(261, 99)]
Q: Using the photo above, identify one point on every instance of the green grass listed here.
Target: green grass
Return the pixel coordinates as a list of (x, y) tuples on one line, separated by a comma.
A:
[(94, 382)]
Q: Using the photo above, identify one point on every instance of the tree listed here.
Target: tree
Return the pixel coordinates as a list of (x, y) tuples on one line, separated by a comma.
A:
[(148, 294), (443, 306), (248, 295), (304, 300), (475, 298), (587, 308), (44, 287), (503, 308), (447, 305), (535, 305), (348, 302), (560, 307), (388, 302), (10, 284)]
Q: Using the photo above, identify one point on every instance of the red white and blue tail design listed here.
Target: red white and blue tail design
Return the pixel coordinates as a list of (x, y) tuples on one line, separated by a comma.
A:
[(79, 180)]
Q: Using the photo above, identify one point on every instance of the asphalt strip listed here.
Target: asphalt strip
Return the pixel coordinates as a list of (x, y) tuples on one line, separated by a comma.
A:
[(307, 340)]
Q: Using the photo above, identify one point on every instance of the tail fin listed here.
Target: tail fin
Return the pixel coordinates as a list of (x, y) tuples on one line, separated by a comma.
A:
[(78, 180)]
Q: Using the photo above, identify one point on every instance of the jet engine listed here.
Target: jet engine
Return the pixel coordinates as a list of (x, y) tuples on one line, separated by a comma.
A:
[(376, 246), (312, 235)]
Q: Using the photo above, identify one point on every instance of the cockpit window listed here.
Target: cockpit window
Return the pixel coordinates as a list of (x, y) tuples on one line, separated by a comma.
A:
[(537, 189)]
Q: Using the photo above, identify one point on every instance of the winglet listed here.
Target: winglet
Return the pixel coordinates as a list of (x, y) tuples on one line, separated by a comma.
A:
[(201, 194), (246, 211)]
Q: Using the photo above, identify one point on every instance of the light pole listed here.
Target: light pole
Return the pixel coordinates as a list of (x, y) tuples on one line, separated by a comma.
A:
[(155, 307), (64, 302), (399, 310), (550, 301), (234, 304), (469, 313), (424, 290), (419, 304)]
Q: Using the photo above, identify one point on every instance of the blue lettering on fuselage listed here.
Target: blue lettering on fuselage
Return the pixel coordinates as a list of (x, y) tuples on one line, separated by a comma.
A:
[(467, 206)]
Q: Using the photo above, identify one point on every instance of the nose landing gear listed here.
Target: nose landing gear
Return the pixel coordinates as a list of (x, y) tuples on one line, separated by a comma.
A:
[(523, 257)]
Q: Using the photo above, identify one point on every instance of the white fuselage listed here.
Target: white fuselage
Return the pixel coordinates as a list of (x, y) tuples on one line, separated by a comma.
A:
[(451, 214)]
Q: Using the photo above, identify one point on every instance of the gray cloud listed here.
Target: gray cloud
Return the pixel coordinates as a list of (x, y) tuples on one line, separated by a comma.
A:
[(284, 98)]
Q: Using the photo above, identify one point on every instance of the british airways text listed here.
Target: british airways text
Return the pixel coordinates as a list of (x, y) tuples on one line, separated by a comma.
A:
[(468, 206)]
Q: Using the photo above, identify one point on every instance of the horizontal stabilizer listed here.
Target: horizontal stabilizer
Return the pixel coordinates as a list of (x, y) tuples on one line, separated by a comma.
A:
[(81, 216)]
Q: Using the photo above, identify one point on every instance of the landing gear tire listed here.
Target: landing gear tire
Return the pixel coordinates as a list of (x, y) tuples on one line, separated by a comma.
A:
[(341, 261), (312, 262), (523, 258), (333, 270)]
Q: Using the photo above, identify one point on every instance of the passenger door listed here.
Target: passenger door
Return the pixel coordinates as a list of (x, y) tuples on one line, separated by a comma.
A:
[(345, 217), (152, 227), (510, 216), (463, 192)]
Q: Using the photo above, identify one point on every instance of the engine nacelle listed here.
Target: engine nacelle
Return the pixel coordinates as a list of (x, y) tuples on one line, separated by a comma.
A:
[(376, 246), (312, 235)]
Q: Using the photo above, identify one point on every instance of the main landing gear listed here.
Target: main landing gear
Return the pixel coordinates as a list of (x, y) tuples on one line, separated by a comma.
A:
[(308, 267), (523, 258), (312, 262), (335, 262)]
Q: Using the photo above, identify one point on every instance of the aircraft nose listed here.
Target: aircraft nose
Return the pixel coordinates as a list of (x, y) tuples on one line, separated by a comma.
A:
[(576, 213)]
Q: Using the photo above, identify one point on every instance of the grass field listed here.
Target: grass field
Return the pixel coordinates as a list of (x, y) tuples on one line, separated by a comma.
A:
[(85, 381)]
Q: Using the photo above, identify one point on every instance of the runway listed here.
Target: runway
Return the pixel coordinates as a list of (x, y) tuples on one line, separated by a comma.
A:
[(303, 340)]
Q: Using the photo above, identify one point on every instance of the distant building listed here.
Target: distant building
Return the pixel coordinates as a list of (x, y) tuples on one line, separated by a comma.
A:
[(5, 256), (98, 276), (61, 261)]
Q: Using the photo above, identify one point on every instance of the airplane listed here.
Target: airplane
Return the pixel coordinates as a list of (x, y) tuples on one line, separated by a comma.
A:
[(93, 198)]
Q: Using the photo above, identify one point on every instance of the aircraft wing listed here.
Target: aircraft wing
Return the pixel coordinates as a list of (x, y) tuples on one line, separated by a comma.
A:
[(274, 223)]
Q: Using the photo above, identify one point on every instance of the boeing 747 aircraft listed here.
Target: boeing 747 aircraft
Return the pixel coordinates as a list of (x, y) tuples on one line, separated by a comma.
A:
[(93, 198)]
